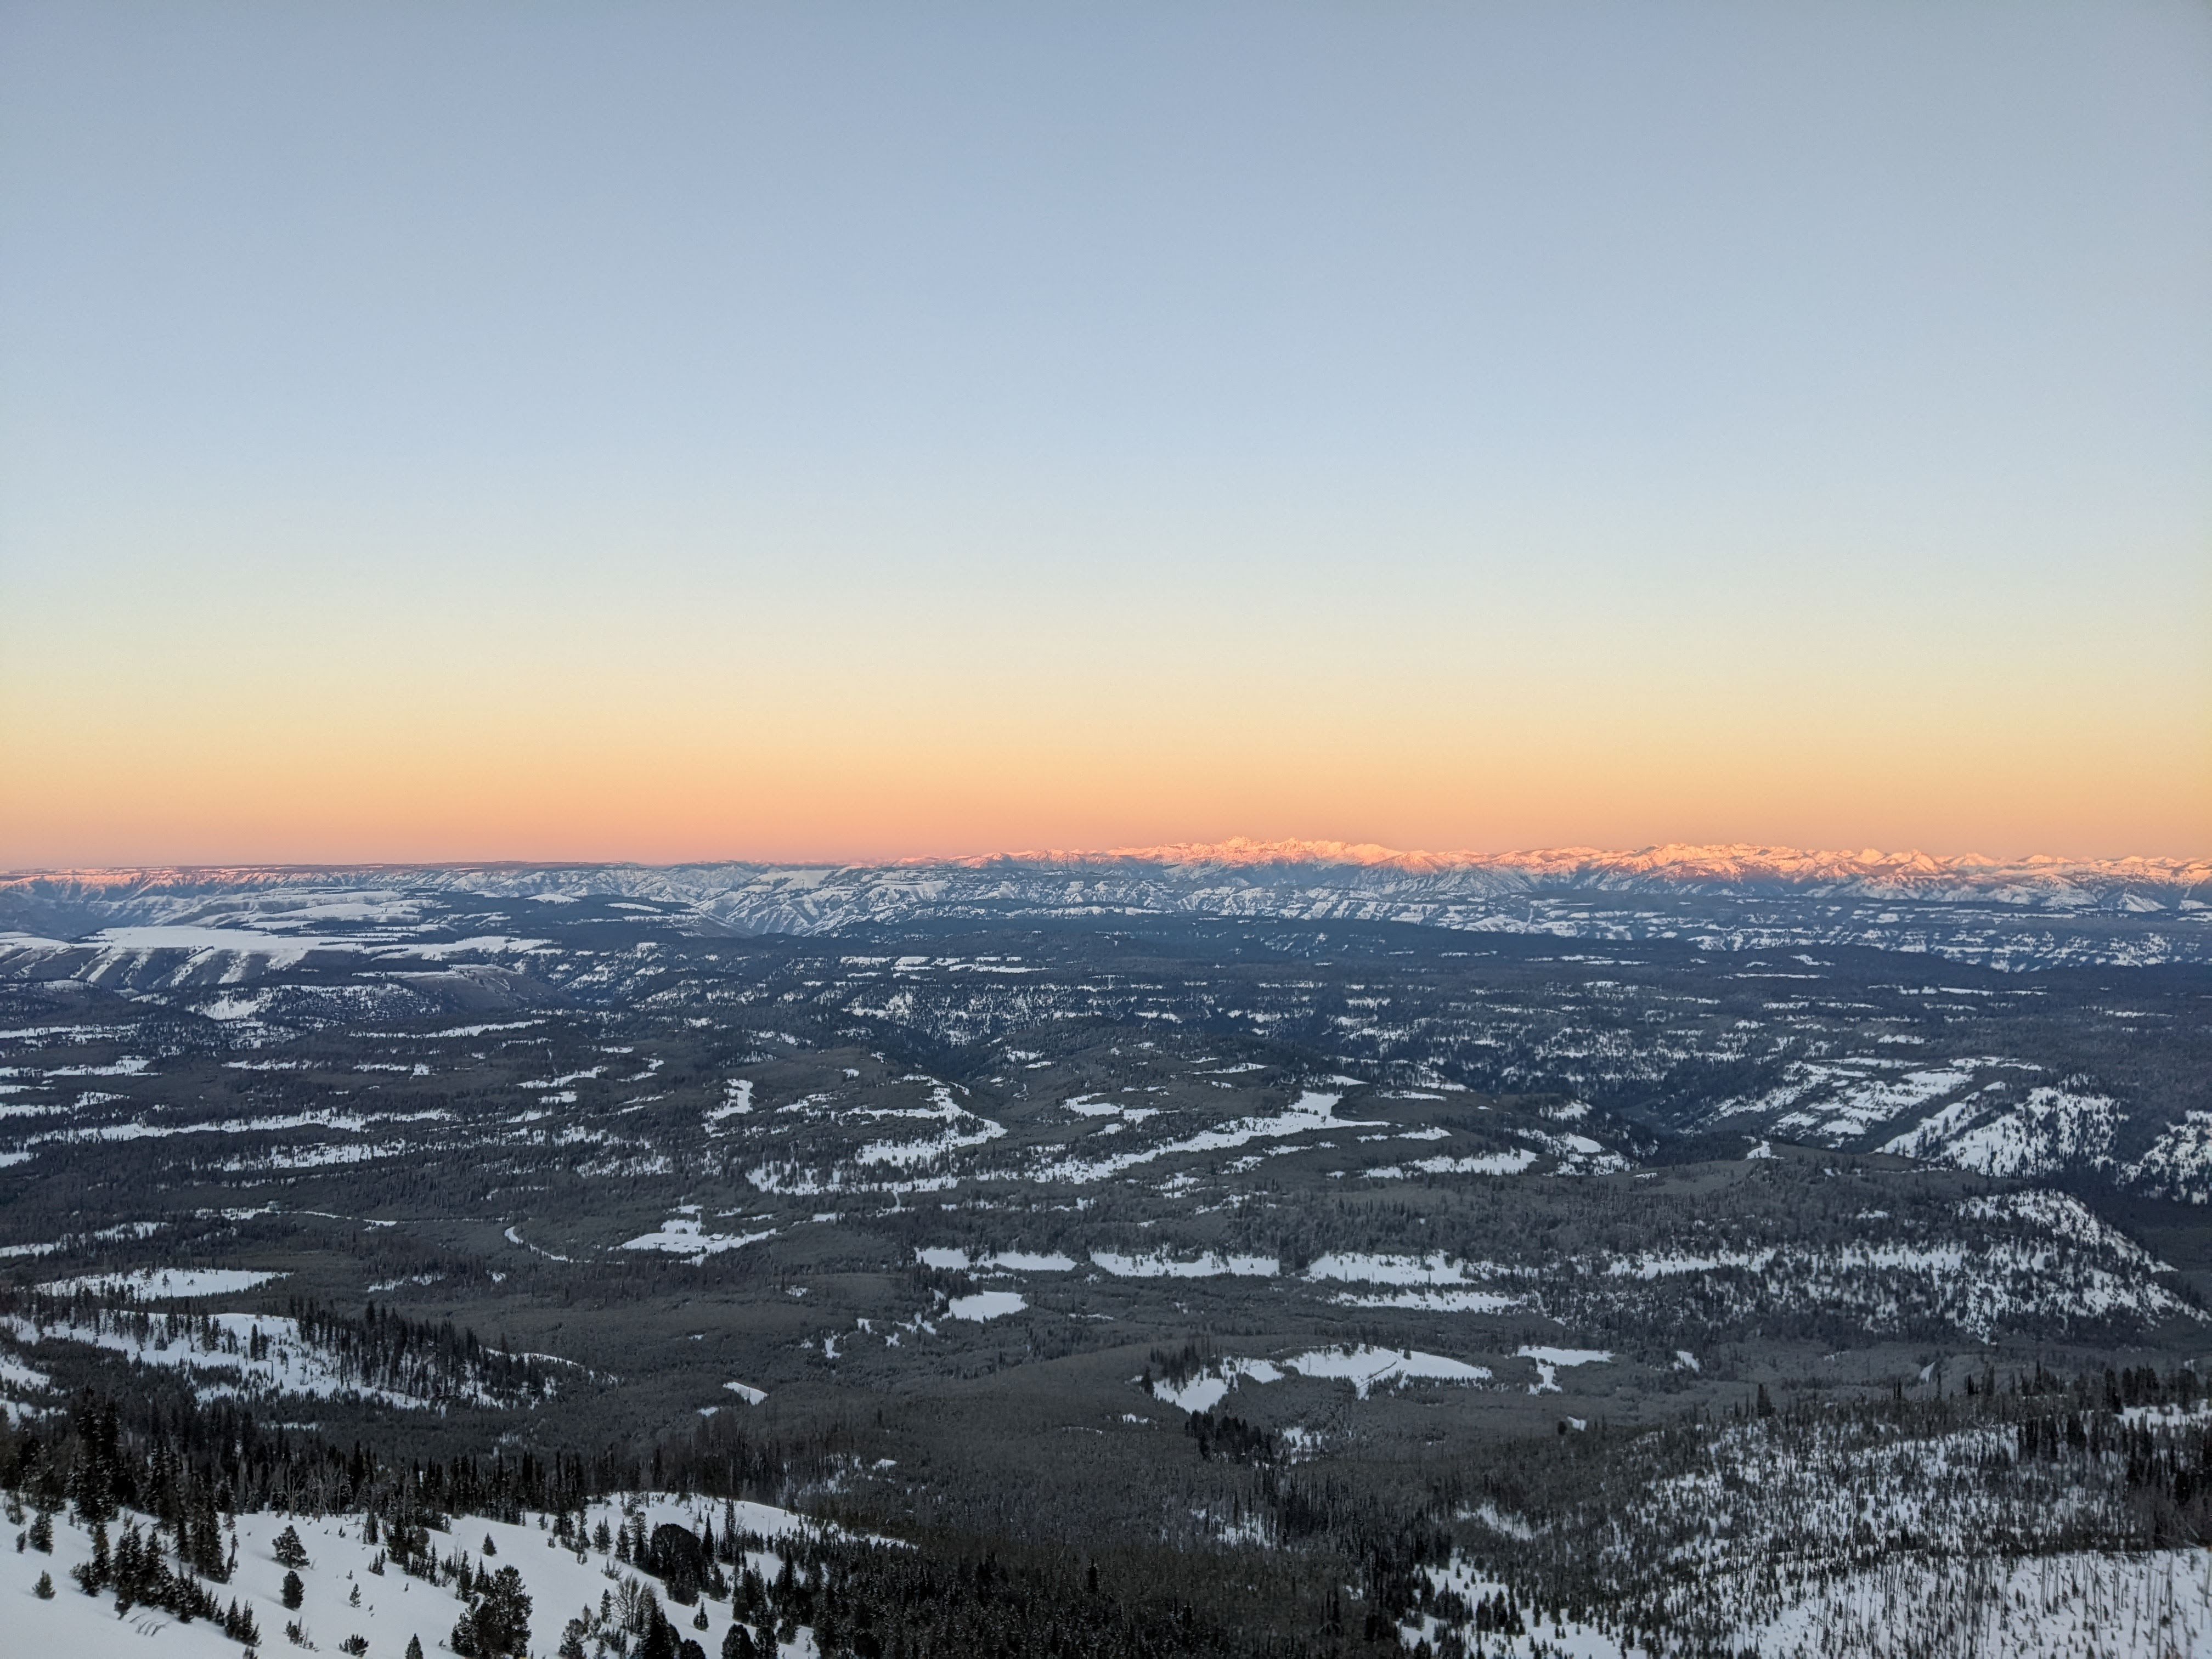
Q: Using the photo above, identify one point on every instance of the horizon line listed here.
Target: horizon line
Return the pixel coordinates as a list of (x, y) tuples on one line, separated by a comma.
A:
[(1238, 849)]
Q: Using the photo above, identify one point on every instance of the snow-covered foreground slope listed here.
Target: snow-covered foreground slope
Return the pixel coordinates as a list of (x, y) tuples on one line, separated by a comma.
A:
[(392, 1607), (2080, 1605), (2076, 1606)]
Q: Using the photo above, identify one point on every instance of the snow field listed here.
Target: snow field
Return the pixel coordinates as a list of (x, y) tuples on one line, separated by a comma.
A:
[(1494, 1163), (983, 1305), (1549, 1360), (1208, 1388), (1210, 1266), (685, 1235), (1313, 1110), (1369, 1368), (229, 1355), (1366, 1368), (1025, 1262)]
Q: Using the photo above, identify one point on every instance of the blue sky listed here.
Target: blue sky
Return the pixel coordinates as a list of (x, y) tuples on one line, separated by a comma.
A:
[(1628, 422)]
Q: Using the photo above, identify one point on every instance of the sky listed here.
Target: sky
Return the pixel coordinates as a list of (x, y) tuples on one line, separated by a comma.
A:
[(660, 431)]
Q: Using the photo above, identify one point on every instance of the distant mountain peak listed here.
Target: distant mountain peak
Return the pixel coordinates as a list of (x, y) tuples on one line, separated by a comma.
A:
[(1675, 861)]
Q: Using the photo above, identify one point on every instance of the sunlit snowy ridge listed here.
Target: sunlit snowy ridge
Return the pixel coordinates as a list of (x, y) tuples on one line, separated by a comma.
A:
[(112, 923)]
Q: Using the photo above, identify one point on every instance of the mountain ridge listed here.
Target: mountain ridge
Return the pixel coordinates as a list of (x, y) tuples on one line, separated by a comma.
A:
[(1686, 863), (2041, 912)]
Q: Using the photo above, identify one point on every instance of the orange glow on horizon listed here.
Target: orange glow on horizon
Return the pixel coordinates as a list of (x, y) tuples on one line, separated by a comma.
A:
[(670, 792), (451, 433)]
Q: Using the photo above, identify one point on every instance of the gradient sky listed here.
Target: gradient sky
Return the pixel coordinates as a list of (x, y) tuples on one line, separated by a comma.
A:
[(660, 431)]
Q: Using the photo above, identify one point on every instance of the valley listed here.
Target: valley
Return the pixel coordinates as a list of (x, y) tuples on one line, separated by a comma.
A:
[(1263, 1256)]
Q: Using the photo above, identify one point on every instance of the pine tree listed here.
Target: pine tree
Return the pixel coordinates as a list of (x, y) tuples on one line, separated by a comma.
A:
[(240, 1625), (129, 1569), (290, 1552), (660, 1641), (502, 1617), (295, 1591), (93, 1476)]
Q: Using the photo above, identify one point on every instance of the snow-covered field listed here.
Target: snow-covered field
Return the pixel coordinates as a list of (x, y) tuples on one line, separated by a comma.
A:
[(1364, 1366), (1313, 1110), (985, 1304), (1211, 1266), (1023, 1261), (1210, 1387), (685, 1236), (249, 1355), (1370, 1368)]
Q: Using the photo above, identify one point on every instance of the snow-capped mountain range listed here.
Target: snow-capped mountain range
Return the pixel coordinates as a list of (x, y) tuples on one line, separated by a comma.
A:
[(2026, 912), (1733, 865)]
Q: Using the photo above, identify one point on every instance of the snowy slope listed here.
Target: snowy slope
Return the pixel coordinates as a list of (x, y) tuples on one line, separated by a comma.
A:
[(393, 1606)]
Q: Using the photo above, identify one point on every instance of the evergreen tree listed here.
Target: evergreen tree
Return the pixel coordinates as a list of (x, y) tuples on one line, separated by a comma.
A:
[(660, 1638), (240, 1626), (95, 1474), (502, 1617)]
